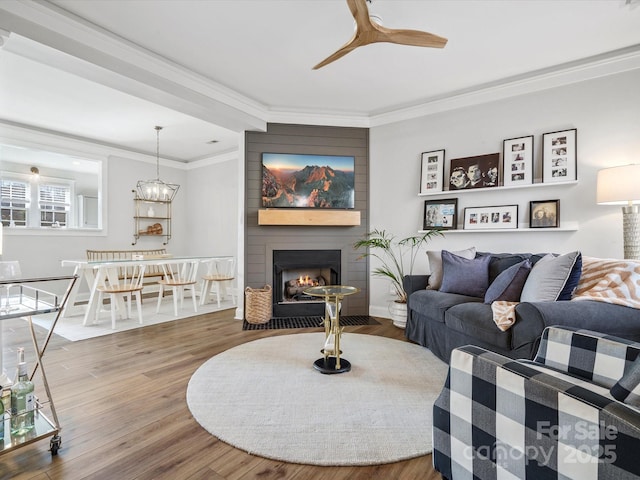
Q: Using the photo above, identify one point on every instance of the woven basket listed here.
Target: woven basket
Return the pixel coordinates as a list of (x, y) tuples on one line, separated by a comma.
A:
[(258, 304)]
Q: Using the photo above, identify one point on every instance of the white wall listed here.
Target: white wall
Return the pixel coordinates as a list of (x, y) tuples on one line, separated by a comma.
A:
[(213, 198), (606, 113)]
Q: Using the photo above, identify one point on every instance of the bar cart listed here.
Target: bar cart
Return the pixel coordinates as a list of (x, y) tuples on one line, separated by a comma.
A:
[(25, 298)]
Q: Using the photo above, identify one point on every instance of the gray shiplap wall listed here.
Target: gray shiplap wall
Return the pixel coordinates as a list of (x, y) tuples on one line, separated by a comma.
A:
[(260, 241)]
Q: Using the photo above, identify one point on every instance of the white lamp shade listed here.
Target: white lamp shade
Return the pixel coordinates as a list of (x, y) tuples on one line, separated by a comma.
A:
[(619, 185)]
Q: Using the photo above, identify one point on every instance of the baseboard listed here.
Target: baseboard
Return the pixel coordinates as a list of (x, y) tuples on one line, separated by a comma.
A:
[(379, 311)]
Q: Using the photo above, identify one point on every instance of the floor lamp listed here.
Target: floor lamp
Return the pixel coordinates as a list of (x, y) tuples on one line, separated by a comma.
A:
[(621, 186)]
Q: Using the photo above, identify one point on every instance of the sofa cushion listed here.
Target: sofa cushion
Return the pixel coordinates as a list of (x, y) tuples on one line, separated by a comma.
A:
[(475, 321), (627, 389), (508, 285), (501, 261), (432, 304), (464, 276), (553, 278), (435, 264)]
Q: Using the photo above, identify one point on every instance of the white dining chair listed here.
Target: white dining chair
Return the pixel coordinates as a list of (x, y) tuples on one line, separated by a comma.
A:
[(121, 284), (179, 276), (9, 270), (219, 279)]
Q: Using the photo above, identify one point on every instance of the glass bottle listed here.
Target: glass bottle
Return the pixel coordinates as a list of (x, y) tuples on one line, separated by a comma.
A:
[(22, 399), (1, 421)]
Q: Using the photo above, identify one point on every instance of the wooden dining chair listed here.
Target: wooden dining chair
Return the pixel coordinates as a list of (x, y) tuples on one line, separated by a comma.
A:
[(179, 276), (121, 283), (220, 276)]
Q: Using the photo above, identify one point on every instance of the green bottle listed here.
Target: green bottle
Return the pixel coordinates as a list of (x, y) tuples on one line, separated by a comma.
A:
[(22, 400)]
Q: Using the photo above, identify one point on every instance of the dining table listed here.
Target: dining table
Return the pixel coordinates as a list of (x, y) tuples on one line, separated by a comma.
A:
[(95, 273)]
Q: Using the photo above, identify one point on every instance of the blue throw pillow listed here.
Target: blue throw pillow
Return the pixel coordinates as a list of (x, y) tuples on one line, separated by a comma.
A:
[(508, 285), (464, 276)]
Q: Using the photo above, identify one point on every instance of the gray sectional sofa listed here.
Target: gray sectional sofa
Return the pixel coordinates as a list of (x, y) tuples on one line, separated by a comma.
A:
[(444, 320)]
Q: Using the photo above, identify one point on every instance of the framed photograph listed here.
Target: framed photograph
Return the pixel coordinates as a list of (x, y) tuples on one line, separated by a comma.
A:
[(440, 214), (544, 214), (517, 161), (432, 173), (501, 217), (559, 156), (474, 172)]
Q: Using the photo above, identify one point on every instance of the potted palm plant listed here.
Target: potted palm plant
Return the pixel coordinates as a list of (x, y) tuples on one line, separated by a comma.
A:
[(397, 258)]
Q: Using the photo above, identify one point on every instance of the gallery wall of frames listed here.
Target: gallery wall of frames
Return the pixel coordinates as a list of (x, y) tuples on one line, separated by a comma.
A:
[(511, 168)]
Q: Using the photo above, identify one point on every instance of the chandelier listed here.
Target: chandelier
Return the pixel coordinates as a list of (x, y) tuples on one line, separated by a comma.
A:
[(157, 190)]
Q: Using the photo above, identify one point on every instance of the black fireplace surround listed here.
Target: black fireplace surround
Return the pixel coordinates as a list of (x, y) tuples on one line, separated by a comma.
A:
[(325, 263)]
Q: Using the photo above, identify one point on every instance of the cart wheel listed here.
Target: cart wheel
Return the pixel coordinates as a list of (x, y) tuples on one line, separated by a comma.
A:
[(55, 443)]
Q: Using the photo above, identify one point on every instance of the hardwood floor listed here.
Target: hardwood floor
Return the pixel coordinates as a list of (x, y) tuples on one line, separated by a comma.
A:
[(122, 408)]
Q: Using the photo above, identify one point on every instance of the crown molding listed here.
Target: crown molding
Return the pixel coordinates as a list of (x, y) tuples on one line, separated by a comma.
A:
[(610, 63), (32, 137), (331, 119)]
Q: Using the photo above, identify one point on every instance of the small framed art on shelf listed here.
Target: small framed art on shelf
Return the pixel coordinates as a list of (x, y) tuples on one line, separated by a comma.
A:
[(440, 214), (544, 214), (432, 173), (559, 156), (480, 171), (500, 217), (517, 161)]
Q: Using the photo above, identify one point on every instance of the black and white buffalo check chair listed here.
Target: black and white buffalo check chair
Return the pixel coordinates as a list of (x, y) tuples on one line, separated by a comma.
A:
[(571, 413)]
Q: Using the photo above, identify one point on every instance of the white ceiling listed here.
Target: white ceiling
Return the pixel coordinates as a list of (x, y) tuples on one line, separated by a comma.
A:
[(236, 63)]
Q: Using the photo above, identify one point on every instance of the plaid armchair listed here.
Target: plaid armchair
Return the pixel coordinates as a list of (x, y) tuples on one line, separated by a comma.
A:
[(550, 418)]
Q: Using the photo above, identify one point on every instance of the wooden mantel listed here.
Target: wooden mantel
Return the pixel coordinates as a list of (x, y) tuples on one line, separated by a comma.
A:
[(308, 217)]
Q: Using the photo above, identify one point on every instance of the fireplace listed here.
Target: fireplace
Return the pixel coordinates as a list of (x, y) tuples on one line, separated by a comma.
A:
[(296, 270)]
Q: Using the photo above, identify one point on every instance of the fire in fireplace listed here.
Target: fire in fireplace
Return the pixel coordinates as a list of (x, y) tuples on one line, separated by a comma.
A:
[(293, 290), (296, 270)]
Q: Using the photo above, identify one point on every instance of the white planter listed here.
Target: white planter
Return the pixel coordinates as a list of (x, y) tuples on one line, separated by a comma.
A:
[(398, 312)]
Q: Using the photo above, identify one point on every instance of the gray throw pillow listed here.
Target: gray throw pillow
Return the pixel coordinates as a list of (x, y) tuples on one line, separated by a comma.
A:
[(627, 389), (553, 278), (508, 285), (464, 276), (435, 265)]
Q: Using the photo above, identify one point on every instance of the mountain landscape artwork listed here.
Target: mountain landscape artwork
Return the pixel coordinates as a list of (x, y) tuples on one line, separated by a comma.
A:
[(307, 181)]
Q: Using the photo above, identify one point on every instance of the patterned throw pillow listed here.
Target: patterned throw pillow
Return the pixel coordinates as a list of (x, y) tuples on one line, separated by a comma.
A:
[(435, 265), (508, 285), (627, 389), (464, 276)]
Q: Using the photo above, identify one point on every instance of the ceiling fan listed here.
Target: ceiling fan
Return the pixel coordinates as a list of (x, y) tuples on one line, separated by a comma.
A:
[(369, 30)]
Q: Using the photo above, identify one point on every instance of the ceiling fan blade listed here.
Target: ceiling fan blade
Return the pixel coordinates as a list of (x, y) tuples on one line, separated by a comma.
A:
[(360, 13), (410, 37), (369, 32), (341, 52)]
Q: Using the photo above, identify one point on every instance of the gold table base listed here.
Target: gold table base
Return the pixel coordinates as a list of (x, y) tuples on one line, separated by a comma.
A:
[(331, 362)]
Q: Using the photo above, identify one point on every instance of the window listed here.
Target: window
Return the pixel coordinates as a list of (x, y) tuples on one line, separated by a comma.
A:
[(54, 199), (15, 203), (46, 204), (54, 202)]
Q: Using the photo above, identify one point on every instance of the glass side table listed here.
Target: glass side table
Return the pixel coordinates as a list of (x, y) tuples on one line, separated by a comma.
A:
[(333, 295)]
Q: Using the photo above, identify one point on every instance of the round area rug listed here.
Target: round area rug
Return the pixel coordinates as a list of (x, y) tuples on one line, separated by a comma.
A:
[(265, 397)]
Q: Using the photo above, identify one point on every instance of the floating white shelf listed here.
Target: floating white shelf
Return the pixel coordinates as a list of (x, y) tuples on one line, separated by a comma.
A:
[(497, 189), (569, 227)]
